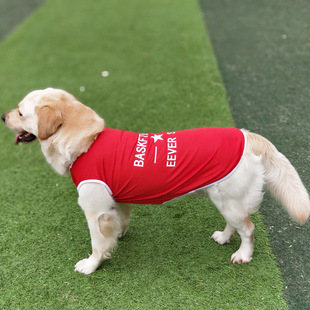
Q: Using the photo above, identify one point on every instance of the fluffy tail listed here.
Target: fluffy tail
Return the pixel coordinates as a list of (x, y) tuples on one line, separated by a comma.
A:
[(281, 178)]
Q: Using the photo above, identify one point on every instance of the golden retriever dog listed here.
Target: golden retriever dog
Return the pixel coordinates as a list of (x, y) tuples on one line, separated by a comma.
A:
[(71, 134)]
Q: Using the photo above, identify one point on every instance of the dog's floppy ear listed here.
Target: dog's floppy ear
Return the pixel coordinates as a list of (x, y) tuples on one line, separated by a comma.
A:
[(49, 121)]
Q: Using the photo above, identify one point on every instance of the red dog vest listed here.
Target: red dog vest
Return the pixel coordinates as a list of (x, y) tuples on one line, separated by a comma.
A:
[(155, 168)]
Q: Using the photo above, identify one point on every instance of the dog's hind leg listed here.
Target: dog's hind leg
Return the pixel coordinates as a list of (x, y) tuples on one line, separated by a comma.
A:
[(237, 198), (246, 232), (237, 219), (222, 237), (104, 224)]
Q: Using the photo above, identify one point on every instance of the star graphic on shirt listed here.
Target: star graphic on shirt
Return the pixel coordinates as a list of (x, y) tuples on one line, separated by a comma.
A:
[(157, 137)]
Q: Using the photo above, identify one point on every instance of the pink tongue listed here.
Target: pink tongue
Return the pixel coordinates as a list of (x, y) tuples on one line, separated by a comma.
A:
[(17, 137)]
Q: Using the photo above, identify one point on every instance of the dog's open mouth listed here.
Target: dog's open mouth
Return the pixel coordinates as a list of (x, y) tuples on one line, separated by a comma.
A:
[(24, 137)]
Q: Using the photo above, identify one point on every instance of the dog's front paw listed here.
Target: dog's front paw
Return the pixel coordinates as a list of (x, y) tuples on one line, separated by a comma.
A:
[(87, 265), (240, 257), (220, 237)]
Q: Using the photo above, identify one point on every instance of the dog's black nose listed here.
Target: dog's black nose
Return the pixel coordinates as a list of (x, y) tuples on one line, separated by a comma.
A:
[(3, 117)]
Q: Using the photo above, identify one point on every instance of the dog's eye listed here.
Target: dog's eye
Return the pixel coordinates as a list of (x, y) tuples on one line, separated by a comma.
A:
[(20, 114)]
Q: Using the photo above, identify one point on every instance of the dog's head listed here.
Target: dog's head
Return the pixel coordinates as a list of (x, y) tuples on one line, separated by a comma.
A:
[(64, 126), (39, 115)]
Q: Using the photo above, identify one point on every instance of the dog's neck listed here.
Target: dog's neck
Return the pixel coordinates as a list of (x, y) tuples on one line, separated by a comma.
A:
[(55, 158), (62, 152)]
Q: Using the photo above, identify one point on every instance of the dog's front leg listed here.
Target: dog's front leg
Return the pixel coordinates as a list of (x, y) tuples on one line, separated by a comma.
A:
[(103, 222)]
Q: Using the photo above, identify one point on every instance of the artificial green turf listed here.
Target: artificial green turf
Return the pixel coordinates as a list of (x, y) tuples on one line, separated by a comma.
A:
[(163, 76), (265, 67), (13, 11)]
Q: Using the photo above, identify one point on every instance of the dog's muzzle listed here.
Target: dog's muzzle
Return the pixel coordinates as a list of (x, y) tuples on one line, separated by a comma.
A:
[(23, 136)]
